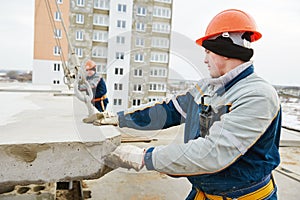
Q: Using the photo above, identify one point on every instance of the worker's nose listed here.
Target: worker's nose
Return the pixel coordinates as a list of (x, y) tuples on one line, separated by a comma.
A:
[(205, 59)]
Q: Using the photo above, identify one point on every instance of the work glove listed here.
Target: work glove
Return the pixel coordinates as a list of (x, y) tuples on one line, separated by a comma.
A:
[(102, 118), (93, 117), (107, 118), (126, 156)]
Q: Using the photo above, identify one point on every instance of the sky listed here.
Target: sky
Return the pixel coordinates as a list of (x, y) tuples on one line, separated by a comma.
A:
[(276, 55)]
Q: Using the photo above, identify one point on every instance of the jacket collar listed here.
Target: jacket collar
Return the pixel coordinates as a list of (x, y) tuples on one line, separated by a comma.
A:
[(226, 78)]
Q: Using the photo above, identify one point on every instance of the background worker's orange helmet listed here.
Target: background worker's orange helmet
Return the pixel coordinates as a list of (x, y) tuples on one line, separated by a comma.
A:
[(231, 20), (90, 64)]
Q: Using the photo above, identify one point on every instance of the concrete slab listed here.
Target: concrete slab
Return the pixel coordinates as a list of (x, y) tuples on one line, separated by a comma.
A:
[(289, 138), (289, 135), (44, 140)]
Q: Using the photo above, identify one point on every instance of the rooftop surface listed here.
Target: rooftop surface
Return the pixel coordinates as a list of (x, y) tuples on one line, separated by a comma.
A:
[(37, 116)]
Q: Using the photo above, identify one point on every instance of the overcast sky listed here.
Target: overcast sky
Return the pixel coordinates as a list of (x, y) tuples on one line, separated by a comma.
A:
[(276, 56)]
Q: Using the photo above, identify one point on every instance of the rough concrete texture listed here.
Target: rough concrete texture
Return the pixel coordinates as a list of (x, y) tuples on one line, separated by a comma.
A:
[(52, 162), (31, 192), (43, 140)]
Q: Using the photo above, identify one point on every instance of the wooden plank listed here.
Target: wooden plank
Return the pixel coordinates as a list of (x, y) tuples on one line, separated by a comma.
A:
[(289, 143), (126, 139)]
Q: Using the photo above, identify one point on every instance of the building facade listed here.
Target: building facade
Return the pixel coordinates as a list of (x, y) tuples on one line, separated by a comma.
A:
[(128, 39), (50, 43)]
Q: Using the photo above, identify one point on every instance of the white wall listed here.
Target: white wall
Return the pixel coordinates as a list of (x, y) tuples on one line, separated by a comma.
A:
[(44, 74), (113, 47)]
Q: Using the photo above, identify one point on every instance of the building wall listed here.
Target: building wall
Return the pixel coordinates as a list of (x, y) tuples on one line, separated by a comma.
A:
[(120, 35), (152, 84), (47, 72), (45, 29), (128, 39)]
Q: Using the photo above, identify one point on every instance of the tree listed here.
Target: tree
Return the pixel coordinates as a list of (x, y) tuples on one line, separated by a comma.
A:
[(12, 74)]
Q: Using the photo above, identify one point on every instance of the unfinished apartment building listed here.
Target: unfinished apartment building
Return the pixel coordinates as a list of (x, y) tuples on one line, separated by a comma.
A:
[(128, 39)]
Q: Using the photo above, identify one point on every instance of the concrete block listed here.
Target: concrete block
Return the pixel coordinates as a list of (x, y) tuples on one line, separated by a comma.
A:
[(31, 192), (43, 140)]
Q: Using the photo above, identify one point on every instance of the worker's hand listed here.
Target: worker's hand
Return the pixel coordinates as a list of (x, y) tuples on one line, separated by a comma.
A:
[(94, 117), (127, 156), (107, 119)]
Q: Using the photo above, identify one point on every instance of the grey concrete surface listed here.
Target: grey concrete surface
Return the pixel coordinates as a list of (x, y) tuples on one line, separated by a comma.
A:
[(288, 189), (43, 139), (289, 138), (290, 152), (129, 185)]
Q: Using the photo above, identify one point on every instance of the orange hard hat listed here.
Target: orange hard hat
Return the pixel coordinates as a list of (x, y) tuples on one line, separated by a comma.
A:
[(231, 20), (90, 64)]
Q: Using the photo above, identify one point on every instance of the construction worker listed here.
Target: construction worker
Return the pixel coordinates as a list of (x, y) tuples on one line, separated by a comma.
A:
[(232, 121), (98, 85)]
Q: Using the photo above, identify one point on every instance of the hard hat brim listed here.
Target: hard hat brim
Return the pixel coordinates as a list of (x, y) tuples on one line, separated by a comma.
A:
[(254, 37)]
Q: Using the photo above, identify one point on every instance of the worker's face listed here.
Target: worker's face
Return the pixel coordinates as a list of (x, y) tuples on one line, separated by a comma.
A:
[(215, 63), (90, 72)]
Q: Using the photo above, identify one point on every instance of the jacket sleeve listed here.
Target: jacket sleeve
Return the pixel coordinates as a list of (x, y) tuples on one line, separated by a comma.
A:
[(155, 115), (250, 116), (101, 88)]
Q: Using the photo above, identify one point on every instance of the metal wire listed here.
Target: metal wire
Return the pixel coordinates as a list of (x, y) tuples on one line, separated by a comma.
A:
[(76, 73)]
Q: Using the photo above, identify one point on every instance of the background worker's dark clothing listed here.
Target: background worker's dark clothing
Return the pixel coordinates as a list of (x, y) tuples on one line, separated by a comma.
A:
[(99, 91)]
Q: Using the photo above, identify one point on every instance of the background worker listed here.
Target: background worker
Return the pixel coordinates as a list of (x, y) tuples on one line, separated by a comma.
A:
[(232, 121), (98, 85)]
